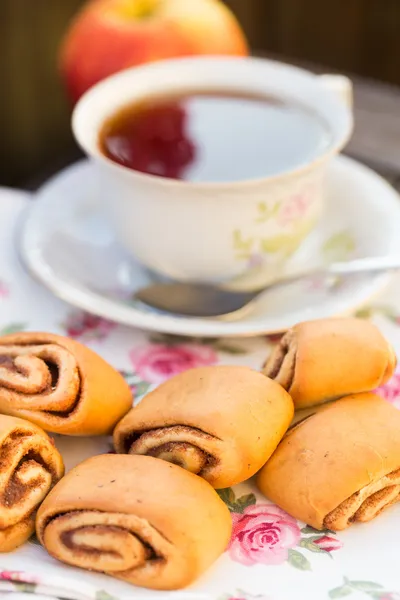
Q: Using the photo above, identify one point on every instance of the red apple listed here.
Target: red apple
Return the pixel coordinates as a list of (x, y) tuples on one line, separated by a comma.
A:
[(110, 35)]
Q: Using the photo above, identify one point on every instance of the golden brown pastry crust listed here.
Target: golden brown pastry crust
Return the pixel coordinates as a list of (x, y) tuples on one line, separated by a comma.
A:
[(30, 465), (338, 466), (325, 359), (222, 423), (80, 394), (303, 413), (136, 518)]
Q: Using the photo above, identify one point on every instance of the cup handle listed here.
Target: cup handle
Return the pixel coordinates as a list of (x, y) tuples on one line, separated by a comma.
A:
[(341, 86)]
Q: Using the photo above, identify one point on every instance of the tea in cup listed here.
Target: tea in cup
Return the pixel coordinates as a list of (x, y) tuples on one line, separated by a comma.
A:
[(212, 165)]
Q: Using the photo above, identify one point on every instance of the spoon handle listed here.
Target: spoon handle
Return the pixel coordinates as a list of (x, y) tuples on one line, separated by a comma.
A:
[(372, 264), (365, 265)]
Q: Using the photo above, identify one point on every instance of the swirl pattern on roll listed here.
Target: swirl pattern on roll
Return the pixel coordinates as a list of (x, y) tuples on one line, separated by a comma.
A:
[(124, 542), (325, 359), (339, 466), (30, 465), (221, 423), (190, 448), (135, 518), (367, 503), (60, 385)]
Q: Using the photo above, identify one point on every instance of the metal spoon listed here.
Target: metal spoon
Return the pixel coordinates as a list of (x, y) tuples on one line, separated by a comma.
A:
[(203, 300)]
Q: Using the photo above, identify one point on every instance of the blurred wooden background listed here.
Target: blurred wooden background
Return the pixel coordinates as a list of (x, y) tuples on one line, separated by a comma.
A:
[(356, 36)]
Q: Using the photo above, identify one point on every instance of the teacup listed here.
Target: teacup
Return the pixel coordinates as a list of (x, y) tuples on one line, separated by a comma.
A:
[(213, 231)]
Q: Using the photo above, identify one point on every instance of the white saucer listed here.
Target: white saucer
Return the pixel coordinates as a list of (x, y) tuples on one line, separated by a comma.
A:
[(65, 242)]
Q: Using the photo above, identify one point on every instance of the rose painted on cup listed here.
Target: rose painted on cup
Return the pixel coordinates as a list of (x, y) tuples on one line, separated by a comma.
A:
[(263, 534), (156, 363)]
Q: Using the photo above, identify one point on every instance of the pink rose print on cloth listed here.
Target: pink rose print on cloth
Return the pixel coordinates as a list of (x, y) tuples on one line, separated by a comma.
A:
[(240, 595), (266, 534), (327, 543), (4, 290), (263, 533), (274, 338), (83, 326), (156, 363), (391, 390), (18, 576)]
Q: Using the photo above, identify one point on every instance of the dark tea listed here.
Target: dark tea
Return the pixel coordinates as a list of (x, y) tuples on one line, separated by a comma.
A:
[(213, 136)]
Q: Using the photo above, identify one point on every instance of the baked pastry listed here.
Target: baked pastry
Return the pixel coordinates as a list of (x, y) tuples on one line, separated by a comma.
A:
[(338, 466), (303, 413), (29, 467), (60, 385), (325, 359), (136, 518), (221, 423)]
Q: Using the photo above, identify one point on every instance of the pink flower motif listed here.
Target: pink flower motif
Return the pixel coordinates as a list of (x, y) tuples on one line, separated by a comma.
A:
[(4, 290), (19, 576), (84, 326), (316, 284), (255, 260), (391, 390), (263, 534), (274, 338), (158, 362), (244, 596), (329, 544), (295, 208)]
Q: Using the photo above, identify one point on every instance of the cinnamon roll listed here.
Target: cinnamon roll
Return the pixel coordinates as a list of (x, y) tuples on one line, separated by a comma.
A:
[(326, 359), (60, 385), (338, 466), (29, 467), (221, 423), (136, 518)]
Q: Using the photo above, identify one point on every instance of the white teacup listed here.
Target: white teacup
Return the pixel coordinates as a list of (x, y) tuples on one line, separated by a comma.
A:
[(213, 231)]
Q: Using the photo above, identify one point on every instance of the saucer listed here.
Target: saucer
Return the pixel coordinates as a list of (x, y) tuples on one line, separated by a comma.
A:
[(65, 242)]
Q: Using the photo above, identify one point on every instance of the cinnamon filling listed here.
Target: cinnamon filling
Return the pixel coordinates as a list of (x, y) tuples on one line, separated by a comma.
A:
[(7, 363), (367, 503), (131, 438), (280, 366), (54, 374), (15, 489), (67, 537), (9, 445), (176, 444), (45, 375)]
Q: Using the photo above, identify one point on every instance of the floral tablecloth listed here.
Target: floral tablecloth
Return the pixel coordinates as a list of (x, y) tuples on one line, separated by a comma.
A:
[(271, 556)]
